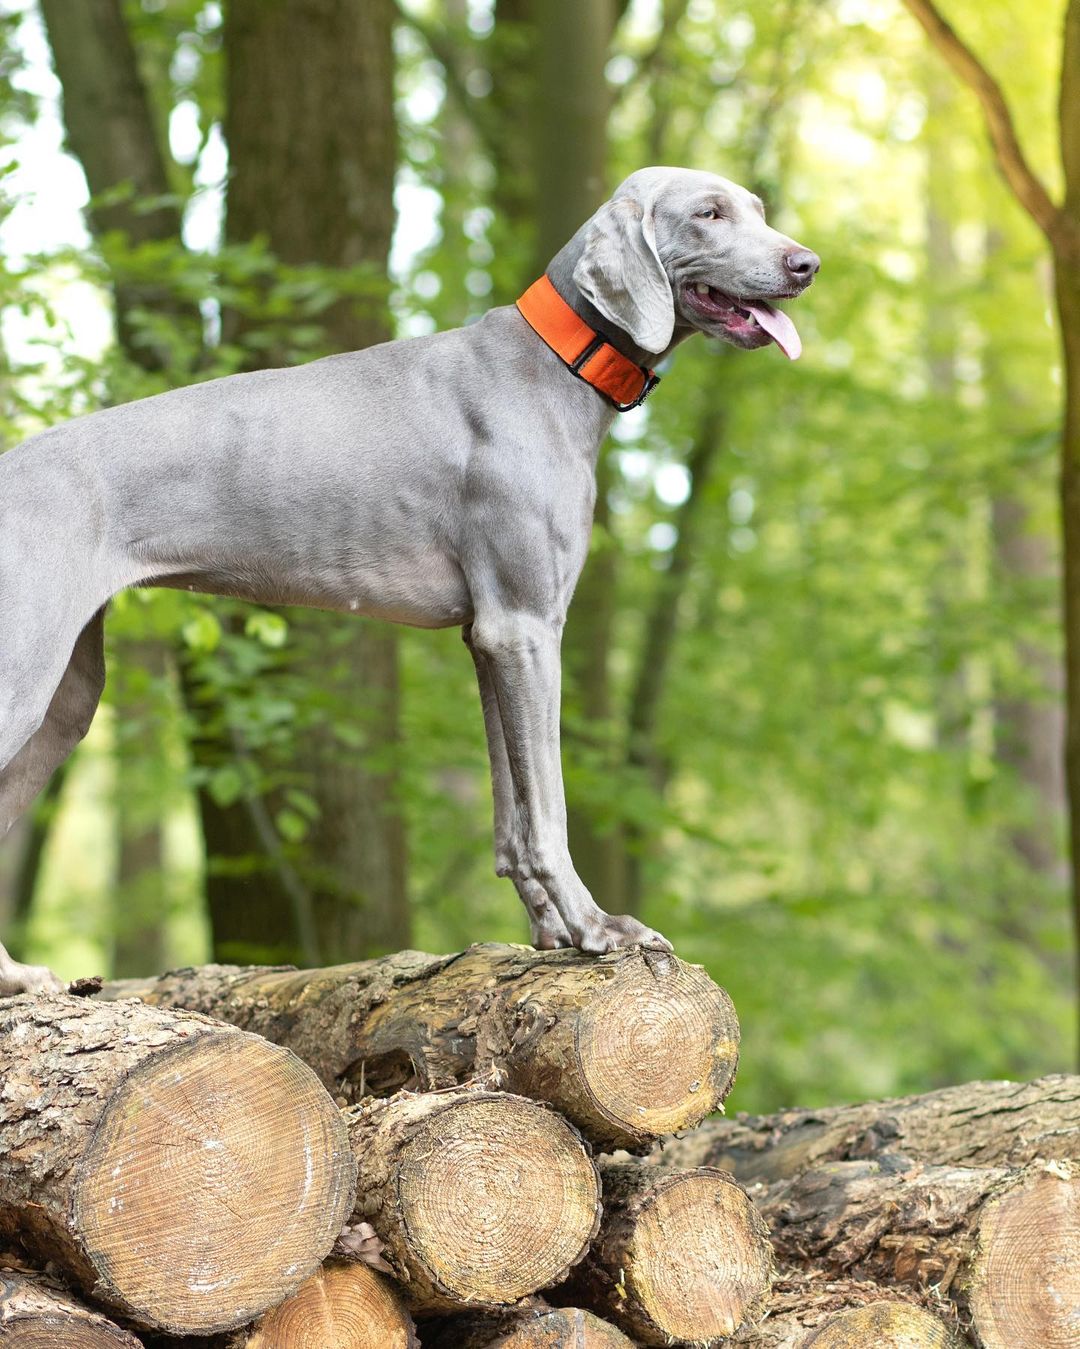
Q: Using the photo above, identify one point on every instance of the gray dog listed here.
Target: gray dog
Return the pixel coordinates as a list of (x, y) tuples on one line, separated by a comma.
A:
[(443, 480)]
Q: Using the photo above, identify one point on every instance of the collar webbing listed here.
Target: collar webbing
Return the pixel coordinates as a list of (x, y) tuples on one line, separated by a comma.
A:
[(586, 352)]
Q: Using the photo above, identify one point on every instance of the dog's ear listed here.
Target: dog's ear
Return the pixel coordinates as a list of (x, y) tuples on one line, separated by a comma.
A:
[(620, 272)]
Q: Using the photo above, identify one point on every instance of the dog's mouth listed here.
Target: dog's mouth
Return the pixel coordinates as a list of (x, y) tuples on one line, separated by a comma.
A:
[(751, 323)]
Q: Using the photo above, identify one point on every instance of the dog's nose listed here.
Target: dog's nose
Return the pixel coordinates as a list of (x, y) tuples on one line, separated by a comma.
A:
[(802, 264)]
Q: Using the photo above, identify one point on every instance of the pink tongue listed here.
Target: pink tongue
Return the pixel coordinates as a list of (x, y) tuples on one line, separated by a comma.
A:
[(779, 327)]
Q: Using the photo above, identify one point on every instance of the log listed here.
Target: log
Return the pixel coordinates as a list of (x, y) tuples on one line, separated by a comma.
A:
[(345, 1304), (1002, 1243), (37, 1312), (682, 1256), (629, 1047), (479, 1197), (535, 1326), (977, 1124), (181, 1172)]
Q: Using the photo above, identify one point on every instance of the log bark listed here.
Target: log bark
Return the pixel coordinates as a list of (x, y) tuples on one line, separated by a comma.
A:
[(1001, 1242), (480, 1198), (36, 1312), (977, 1124), (682, 1256), (533, 1327), (630, 1046), (814, 1313), (184, 1174)]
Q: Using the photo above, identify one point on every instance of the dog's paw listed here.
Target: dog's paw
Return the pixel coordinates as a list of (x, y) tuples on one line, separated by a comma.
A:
[(613, 932)]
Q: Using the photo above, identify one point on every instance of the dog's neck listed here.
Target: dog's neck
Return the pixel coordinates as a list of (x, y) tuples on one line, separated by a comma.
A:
[(560, 272)]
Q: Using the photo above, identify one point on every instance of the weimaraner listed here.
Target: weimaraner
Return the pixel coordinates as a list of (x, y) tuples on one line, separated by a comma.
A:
[(447, 479)]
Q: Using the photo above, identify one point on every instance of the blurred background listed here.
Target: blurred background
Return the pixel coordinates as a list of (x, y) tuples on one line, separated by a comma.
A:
[(813, 707)]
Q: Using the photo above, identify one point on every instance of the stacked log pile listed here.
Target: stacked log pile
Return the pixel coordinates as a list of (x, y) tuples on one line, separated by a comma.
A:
[(432, 1174)]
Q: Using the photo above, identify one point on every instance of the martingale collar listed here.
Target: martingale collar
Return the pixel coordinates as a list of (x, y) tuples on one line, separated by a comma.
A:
[(587, 353)]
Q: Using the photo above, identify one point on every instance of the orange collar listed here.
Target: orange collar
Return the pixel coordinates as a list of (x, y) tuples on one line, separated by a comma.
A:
[(586, 352)]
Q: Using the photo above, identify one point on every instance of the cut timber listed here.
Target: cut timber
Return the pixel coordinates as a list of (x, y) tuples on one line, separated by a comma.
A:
[(532, 1327), (184, 1173), (1004, 1244), (37, 1313), (479, 1197), (682, 1256), (978, 1124), (344, 1305), (629, 1047), (811, 1313)]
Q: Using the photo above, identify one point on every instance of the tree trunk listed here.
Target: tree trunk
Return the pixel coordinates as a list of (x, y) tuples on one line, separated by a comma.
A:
[(535, 1326), (139, 907), (145, 1153), (660, 630), (682, 1256), (37, 1312), (629, 1046), (809, 1312), (110, 129), (570, 150), (312, 170), (1000, 1242), (479, 1198), (977, 1124)]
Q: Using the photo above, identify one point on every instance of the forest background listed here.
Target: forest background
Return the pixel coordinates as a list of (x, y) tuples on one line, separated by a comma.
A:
[(814, 708)]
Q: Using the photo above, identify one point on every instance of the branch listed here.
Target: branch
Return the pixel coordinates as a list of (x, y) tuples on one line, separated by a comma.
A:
[(1027, 187)]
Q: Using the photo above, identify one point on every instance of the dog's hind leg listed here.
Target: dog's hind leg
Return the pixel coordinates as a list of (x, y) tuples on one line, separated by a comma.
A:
[(66, 721), (67, 717)]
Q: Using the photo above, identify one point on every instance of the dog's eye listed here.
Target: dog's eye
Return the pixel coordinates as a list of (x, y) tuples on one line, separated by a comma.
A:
[(709, 213)]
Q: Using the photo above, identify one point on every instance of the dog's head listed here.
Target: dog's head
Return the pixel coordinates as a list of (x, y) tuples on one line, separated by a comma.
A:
[(679, 247)]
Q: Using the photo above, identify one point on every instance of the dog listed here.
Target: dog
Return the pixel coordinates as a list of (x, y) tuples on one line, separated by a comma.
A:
[(442, 480)]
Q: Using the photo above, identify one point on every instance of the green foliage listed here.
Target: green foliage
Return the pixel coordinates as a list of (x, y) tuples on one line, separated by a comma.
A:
[(830, 814)]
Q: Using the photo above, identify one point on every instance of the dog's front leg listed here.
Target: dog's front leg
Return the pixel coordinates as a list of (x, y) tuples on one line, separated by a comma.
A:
[(547, 929), (522, 658)]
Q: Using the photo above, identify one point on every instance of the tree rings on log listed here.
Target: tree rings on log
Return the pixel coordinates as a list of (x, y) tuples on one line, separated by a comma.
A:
[(681, 1256), (38, 1313), (629, 1047), (344, 1305), (184, 1173), (885, 1325), (479, 1197), (537, 1327), (1024, 1278)]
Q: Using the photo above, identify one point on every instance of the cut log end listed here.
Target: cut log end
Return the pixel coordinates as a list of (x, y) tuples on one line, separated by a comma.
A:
[(219, 1175), (658, 1049), (1025, 1277), (700, 1261), (885, 1325), (498, 1196), (348, 1306), (36, 1313)]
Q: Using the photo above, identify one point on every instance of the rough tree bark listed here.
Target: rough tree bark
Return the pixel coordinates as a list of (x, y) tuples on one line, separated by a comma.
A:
[(629, 1046), (147, 1155), (682, 1256), (536, 1326), (1000, 1242), (312, 170), (37, 1312), (814, 1313), (1060, 223), (480, 1198), (977, 1124)]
